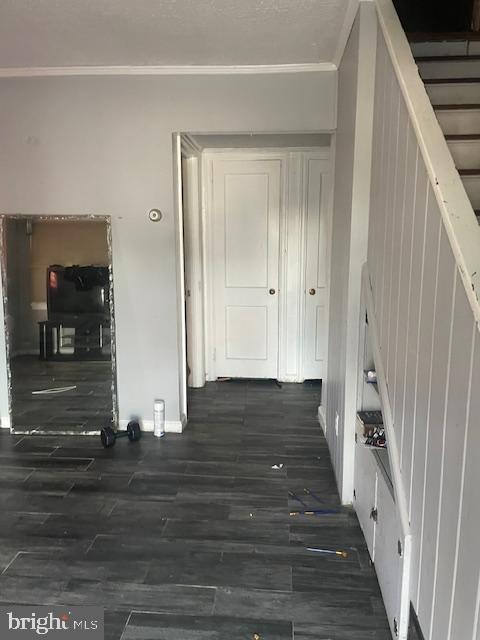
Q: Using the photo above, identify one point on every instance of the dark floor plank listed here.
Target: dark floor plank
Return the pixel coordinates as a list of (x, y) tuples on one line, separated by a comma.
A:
[(168, 627)]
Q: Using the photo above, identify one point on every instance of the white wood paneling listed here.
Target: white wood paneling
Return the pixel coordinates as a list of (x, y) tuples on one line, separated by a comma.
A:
[(433, 423), (466, 572), (453, 457), (430, 351)]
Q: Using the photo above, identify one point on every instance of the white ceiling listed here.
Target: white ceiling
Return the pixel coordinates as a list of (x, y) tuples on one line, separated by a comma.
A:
[(66, 33)]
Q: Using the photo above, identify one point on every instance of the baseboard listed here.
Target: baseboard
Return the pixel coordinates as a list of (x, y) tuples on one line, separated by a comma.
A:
[(322, 418), (171, 426), (290, 378), (6, 422)]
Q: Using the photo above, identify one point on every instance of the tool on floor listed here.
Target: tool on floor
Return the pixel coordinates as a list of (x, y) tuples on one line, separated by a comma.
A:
[(298, 499), (308, 511), (312, 495), (343, 554), (313, 512), (108, 436)]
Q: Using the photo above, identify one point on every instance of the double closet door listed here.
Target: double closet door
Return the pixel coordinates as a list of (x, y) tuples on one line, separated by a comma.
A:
[(252, 231)]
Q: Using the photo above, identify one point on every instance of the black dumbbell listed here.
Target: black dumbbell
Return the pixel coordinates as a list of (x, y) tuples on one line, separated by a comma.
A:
[(108, 436)]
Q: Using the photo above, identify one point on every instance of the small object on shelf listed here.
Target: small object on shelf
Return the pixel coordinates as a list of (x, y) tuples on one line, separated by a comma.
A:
[(370, 376), (370, 417), (377, 438)]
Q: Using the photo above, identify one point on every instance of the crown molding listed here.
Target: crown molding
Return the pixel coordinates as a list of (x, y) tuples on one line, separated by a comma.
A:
[(19, 72)]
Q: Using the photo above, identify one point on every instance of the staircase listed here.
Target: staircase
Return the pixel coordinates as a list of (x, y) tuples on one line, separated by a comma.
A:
[(450, 69)]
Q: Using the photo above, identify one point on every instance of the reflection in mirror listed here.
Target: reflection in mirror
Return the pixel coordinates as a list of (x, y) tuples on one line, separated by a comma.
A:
[(58, 305)]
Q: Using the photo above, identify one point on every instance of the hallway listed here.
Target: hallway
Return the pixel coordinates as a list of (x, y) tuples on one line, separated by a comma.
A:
[(190, 536)]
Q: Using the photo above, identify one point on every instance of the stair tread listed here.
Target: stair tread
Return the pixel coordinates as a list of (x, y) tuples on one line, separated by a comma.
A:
[(457, 106), (452, 80), (462, 136), (469, 172), (442, 36), (443, 58)]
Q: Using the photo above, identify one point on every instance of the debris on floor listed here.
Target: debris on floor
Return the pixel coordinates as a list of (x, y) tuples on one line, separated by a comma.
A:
[(278, 466), (54, 390), (314, 512)]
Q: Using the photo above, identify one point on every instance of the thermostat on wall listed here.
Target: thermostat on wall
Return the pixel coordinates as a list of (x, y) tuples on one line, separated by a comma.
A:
[(155, 215)]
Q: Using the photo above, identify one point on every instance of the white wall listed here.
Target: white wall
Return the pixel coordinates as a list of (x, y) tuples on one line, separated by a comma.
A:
[(349, 239), (341, 223), (103, 145)]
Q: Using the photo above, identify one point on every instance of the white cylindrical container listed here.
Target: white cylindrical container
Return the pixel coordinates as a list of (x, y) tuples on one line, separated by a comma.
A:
[(159, 418)]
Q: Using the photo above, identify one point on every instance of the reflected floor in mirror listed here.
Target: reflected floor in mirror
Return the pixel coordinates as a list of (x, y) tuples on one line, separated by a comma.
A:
[(85, 408)]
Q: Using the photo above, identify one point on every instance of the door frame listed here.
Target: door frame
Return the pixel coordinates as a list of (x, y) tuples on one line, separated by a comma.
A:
[(5, 371)]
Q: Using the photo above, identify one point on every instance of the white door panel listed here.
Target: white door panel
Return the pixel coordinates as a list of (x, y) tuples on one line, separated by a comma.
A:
[(316, 220), (246, 214)]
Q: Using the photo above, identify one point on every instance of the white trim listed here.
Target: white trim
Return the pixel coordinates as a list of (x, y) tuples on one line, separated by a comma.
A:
[(325, 149), (208, 277), (360, 211), (180, 261), (193, 261), (171, 426), (189, 146), (6, 422), (457, 213), (322, 418), (350, 15), (167, 70)]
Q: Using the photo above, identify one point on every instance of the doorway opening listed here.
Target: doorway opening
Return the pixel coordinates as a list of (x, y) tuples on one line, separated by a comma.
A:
[(59, 324), (254, 227)]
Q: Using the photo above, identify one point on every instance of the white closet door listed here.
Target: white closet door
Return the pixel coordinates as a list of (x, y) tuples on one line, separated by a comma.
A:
[(316, 223), (246, 212)]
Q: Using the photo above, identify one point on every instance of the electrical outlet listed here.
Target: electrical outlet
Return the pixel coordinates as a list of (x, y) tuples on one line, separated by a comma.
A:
[(337, 420)]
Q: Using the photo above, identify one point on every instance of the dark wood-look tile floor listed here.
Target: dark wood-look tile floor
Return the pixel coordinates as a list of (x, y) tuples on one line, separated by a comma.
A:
[(86, 408), (190, 537)]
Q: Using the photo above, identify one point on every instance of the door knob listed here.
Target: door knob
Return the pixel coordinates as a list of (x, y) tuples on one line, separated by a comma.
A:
[(272, 292), (312, 292)]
